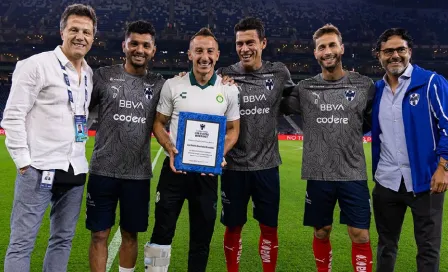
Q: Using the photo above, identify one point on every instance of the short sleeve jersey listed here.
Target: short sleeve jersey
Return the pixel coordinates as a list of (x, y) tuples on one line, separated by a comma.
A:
[(260, 95), (333, 114), (184, 94), (126, 111)]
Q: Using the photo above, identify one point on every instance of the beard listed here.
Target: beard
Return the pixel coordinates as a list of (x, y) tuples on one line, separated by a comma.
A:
[(332, 66), (397, 70)]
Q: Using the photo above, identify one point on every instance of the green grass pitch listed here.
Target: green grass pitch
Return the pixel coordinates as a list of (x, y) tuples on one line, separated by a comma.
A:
[(295, 251)]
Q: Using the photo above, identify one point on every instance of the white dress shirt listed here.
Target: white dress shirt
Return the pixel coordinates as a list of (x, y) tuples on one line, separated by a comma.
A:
[(38, 119)]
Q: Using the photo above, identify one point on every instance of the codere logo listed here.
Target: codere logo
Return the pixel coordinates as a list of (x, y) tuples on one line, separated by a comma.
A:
[(219, 98)]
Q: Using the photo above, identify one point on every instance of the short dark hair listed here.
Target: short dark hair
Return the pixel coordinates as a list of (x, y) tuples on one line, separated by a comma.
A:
[(251, 23), (140, 27), (204, 32), (385, 36), (79, 10), (327, 29)]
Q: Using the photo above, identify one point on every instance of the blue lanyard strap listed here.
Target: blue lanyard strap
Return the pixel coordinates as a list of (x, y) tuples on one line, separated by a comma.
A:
[(69, 91)]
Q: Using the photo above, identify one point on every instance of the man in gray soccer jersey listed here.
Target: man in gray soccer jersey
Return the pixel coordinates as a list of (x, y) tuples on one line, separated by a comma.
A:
[(335, 105), (252, 164), (120, 169)]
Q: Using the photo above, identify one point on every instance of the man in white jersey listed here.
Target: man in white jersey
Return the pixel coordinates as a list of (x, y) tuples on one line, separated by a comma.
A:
[(126, 96), (200, 91)]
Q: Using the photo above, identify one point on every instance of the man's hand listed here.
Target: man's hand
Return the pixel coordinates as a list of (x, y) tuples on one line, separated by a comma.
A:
[(226, 80), (224, 163), (439, 181), (181, 74), (172, 151), (23, 169)]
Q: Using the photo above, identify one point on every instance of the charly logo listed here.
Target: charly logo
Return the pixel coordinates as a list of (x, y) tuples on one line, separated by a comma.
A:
[(149, 92), (269, 84), (183, 95), (220, 98), (414, 98), (202, 126), (350, 95)]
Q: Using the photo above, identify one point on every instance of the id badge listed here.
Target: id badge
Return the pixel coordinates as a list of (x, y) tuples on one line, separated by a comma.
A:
[(46, 182), (81, 128)]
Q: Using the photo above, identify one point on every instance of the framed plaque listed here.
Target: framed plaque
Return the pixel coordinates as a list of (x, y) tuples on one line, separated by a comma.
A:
[(200, 142)]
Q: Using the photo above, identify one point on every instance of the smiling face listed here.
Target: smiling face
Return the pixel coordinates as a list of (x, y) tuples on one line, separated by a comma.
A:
[(139, 49), (77, 37), (394, 55), (249, 48), (204, 54), (328, 51)]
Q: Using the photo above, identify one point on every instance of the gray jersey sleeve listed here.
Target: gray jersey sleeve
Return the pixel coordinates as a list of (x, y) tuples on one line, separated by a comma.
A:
[(290, 103), (367, 125), (96, 91), (126, 107), (333, 116), (288, 84), (95, 97)]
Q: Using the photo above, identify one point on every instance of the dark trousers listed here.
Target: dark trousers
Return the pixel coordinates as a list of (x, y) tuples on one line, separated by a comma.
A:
[(201, 193), (389, 208)]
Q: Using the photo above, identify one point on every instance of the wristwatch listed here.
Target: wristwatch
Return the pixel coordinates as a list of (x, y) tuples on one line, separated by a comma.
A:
[(444, 165)]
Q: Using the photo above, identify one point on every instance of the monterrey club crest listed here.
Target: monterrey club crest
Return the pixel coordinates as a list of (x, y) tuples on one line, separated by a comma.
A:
[(269, 84), (414, 98), (149, 93), (350, 95)]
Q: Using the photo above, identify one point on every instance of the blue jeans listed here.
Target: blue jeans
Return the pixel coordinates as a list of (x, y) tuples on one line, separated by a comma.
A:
[(29, 206)]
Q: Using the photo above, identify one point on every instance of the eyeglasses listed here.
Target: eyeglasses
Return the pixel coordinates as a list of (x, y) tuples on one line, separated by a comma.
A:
[(390, 51)]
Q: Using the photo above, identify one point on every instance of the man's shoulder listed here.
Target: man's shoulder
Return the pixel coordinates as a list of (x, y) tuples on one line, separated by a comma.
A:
[(42, 56), (231, 89), (153, 76), (37, 59), (107, 70), (178, 80), (275, 65), (357, 76), (307, 82)]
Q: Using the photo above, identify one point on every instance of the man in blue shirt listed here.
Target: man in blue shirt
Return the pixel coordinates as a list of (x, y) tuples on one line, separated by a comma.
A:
[(410, 152)]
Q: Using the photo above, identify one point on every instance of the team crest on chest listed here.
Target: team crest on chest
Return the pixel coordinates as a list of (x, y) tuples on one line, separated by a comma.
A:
[(149, 92), (220, 98), (269, 84), (350, 95), (414, 98)]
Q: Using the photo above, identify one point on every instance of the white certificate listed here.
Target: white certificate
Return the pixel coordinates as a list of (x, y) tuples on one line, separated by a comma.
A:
[(200, 143)]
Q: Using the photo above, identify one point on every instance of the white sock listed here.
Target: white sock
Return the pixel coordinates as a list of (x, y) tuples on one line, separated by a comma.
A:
[(122, 269)]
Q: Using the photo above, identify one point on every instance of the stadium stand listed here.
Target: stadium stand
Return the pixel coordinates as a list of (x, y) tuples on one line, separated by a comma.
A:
[(31, 26)]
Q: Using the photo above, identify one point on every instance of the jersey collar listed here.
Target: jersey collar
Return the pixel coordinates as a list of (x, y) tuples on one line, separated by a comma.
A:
[(194, 82)]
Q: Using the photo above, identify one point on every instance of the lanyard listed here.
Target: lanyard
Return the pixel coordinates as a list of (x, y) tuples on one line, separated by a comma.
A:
[(69, 91)]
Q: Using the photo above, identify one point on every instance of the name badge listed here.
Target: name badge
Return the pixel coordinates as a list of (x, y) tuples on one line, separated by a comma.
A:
[(81, 128), (46, 182)]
